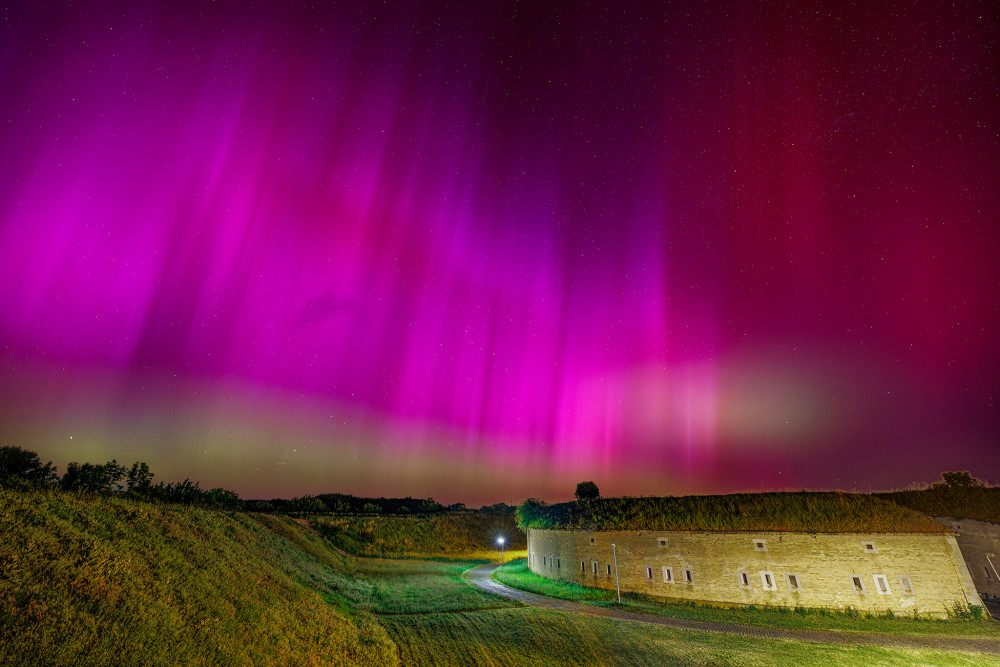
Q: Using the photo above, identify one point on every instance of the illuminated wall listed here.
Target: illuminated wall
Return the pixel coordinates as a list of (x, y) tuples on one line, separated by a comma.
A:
[(902, 573)]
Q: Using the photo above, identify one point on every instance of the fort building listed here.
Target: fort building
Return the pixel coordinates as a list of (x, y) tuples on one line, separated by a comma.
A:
[(790, 550)]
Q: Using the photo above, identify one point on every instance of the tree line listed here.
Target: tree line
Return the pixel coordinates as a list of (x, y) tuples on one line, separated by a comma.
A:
[(23, 469)]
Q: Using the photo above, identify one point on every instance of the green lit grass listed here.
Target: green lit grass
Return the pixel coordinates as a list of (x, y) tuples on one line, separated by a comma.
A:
[(525, 636), (100, 581), (517, 575), (415, 586), (815, 511)]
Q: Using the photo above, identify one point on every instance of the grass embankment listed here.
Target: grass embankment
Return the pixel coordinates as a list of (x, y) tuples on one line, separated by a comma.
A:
[(977, 502), (467, 536), (96, 581), (820, 512), (87, 580), (517, 575)]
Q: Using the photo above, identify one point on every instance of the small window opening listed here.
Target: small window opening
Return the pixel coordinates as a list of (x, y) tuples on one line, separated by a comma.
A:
[(558, 563), (609, 568), (793, 582), (649, 573), (592, 540), (869, 547), (744, 579), (767, 581), (987, 571), (882, 584), (583, 566), (905, 584), (594, 564), (668, 575), (859, 585), (760, 545), (688, 577), (663, 542)]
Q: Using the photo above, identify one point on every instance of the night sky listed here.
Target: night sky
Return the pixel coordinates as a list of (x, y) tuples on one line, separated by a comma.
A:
[(485, 250)]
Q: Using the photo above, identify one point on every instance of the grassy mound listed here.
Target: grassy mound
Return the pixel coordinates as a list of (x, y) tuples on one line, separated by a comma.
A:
[(454, 535), (801, 511), (977, 502), (103, 580)]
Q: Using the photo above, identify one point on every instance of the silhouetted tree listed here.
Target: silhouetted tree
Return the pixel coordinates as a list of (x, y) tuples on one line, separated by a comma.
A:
[(92, 476), (587, 491), (957, 480), (22, 467), (224, 499), (139, 479)]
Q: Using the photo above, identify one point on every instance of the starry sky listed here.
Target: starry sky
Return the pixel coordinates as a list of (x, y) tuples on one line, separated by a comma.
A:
[(485, 250)]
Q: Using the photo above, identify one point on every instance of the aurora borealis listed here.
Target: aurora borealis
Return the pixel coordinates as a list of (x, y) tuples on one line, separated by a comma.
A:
[(480, 251)]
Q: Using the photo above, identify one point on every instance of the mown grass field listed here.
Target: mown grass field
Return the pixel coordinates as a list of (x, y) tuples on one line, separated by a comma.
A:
[(517, 575), (456, 535), (99, 581)]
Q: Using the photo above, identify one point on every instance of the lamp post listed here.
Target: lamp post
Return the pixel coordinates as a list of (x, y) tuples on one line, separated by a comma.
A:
[(500, 541), (614, 555)]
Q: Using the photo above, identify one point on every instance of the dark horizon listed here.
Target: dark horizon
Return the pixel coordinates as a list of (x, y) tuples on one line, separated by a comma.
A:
[(485, 252)]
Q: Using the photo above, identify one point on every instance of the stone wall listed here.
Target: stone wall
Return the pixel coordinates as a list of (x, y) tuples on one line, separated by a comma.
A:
[(980, 544), (902, 573)]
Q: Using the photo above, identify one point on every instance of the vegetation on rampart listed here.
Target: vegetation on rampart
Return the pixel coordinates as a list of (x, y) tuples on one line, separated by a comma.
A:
[(88, 579), (467, 535), (958, 494), (820, 512)]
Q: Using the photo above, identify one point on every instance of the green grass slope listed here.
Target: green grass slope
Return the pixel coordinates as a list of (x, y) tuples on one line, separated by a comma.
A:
[(458, 535), (821, 512), (977, 502), (87, 580)]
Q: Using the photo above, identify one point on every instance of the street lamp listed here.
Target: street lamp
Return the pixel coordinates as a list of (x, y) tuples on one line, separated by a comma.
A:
[(500, 542), (614, 554)]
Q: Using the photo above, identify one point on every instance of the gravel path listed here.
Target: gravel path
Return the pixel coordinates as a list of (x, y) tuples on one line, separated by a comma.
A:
[(480, 576)]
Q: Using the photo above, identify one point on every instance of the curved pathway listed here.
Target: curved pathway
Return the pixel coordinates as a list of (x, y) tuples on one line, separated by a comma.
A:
[(480, 576)]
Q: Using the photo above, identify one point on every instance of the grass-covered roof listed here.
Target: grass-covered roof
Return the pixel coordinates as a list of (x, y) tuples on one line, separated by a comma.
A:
[(820, 512)]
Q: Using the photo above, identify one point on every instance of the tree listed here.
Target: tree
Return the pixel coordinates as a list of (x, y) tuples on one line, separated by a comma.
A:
[(139, 479), (587, 491), (958, 480), (22, 467), (92, 476)]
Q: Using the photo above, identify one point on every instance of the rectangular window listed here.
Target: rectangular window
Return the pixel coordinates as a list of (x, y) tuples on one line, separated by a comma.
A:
[(745, 579), (767, 581), (583, 567), (793, 582), (881, 584), (649, 573), (869, 547), (663, 541), (760, 545), (858, 583), (987, 571), (609, 568), (594, 564), (905, 584), (688, 576), (558, 563), (534, 559), (543, 561), (668, 575)]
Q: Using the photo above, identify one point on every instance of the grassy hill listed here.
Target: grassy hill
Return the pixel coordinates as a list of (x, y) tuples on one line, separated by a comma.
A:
[(977, 502), (819, 512), (465, 535), (104, 580)]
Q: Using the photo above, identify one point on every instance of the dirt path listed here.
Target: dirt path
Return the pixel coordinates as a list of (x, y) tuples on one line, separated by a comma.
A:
[(480, 576)]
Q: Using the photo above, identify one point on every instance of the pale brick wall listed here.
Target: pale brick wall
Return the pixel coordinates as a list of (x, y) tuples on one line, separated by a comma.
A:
[(822, 563), (980, 544)]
